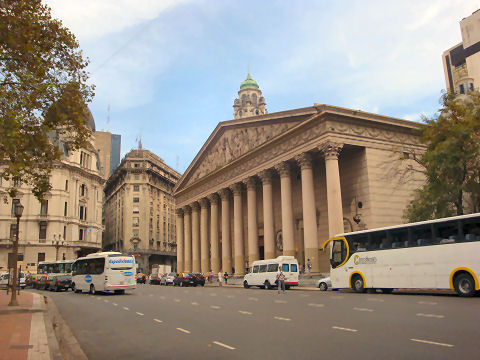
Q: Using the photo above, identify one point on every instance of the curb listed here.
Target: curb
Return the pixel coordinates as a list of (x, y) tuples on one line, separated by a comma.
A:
[(67, 346)]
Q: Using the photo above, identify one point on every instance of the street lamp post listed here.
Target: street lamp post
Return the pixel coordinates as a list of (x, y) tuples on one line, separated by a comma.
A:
[(18, 215)]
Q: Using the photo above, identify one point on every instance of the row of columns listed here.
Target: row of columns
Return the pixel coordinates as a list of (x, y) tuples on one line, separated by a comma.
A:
[(197, 253)]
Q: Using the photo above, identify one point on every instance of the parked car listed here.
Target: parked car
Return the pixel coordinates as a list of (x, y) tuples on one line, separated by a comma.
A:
[(59, 282), (141, 278), (4, 280), (324, 284), (188, 279), (167, 278)]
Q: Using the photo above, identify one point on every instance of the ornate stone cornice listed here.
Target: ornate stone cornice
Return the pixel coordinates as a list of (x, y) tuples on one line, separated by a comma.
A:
[(305, 160), (213, 198), (237, 189), (331, 150), (284, 169), (266, 176), (203, 203), (224, 194)]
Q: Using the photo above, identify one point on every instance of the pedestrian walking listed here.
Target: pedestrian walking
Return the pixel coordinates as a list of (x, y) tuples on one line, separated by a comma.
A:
[(210, 276), (280, 280), (225, 276), (220, 276), (309, 267)]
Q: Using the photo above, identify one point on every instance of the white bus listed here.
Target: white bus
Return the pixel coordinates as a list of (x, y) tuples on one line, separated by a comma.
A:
[(263, 273), (436, 254), (104, 271)]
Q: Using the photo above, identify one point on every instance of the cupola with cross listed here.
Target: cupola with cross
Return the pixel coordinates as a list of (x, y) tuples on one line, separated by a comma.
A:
[(250, 101)]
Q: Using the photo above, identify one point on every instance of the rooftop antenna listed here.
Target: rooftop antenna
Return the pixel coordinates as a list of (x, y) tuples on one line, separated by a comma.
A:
[(139, 141)]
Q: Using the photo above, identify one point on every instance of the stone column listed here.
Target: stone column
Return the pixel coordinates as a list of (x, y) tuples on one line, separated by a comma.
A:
[(239, 263), (195, 237), (187, 210), (204, 248), (180, 248), (214, 245), (288, 232), (226, 245), (310, 235), (268, 225), (334, 194), (252, 220)]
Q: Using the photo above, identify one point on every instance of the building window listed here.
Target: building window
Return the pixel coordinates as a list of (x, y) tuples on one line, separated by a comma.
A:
[(80, 234), (461, 89), (44, 207), (17, 183), (136, 210), (65, 232), (136, 165), (136, 221), (136, 199), (136, 177), (14, 203), (83, 190), (83, 212), (65, 209), (42, 232), (135, 232), (66, 185), (40, 257), (136, 188)]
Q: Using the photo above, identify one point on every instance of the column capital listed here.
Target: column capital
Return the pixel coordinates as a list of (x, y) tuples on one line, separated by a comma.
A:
[(266, 176), (195, 206), (224, 194), (284, 169), (237, 188), (203, 203), (305, 160), (213, 198), (187, 209), (179, 212), (250, 183), (331, 150)]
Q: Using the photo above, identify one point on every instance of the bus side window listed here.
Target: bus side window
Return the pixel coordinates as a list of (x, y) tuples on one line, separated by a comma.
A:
[(263, 268), (471, 229), (285, 267), (255, 268), (272, 267)]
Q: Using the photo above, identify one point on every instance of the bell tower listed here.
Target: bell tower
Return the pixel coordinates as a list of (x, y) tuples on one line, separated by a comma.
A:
[(250, 101)]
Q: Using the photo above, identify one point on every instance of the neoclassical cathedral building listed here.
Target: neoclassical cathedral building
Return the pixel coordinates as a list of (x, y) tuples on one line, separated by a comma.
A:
[(265, 184)]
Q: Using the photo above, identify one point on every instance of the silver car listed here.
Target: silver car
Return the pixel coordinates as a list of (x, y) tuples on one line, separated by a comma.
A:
[(167, 278), (324, 284)]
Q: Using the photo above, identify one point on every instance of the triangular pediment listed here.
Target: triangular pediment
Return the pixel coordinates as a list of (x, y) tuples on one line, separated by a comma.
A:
[(232, 139)]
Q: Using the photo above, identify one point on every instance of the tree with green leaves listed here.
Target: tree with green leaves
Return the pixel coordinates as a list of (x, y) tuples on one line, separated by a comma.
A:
[(43, 94), (451, 162)]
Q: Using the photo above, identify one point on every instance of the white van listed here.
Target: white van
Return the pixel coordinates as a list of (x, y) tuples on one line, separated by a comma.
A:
[(104, 271), (263, 273)]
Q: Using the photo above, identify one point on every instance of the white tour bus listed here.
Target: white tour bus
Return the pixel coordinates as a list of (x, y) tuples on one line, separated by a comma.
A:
[(104, 271), (435, 254), (263, 273)]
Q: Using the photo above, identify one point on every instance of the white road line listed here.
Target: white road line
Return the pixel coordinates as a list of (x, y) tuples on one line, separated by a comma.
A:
[(374, 299), (162, 297), (139, 313), (195, 303), (316, 305), (427, 303), (432, 343), (157, 320), (224, 345), (362, 309), (344, 329), (176, 300), (215, 307), (230, 296), (150, 295), (245, 312), (282, 318), (253, 298), (280, 301), (98, 298), (114, 304), (183, 330), (105, 301), (431, 315), (126, 308)]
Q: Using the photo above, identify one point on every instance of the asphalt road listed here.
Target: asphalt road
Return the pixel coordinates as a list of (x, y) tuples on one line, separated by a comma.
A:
[(158, 322)]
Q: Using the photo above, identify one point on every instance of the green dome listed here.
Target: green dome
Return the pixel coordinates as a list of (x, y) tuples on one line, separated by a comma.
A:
[(248, 83)]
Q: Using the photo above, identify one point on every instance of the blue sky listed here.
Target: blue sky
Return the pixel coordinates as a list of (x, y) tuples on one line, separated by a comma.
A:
[(170, 69)]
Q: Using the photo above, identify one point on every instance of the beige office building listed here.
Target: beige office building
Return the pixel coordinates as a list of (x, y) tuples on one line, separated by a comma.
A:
[(461, 63), (140, 210), (283, 183), (68, 224)]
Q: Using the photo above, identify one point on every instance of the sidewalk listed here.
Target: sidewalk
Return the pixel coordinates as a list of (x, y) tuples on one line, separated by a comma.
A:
[(23, 328)]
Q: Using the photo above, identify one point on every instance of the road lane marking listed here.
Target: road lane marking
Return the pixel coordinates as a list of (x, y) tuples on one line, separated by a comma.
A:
[(105, 301), (253, 298), (374, 299), (176, 300), (280, 301), (150, 295), (344, 329), (157, 320), (362, 309), (431, 315), (224, 345), (282, 318), (114, 304), (183, 330), (245, 312), (316, 305), (230, 296), (195, 303), (432, 342), (126, 308), (139, 313), (215, 307), (427, 303), (162, 297)]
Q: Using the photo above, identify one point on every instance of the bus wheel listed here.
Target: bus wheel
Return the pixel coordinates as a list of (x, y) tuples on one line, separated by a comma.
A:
[(357, 284), (387, 291), (464, 285), (267, 285), (92, 289), (245, 284)]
